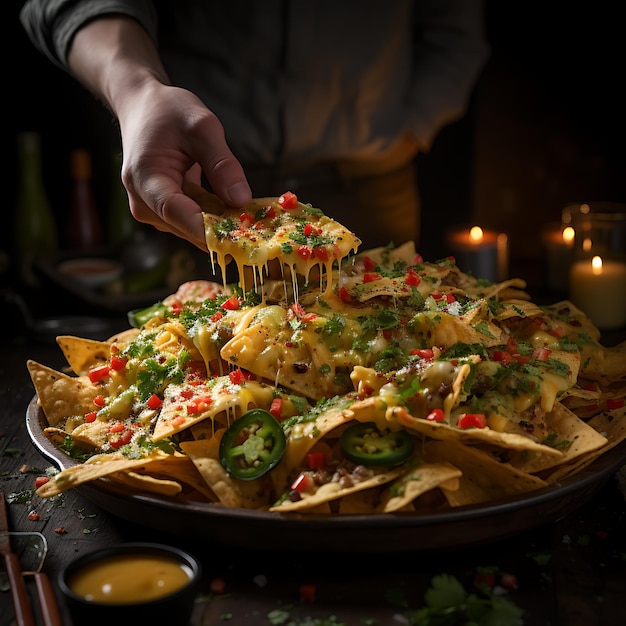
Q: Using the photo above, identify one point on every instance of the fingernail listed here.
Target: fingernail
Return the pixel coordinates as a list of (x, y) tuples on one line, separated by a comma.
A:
[(239, 193)]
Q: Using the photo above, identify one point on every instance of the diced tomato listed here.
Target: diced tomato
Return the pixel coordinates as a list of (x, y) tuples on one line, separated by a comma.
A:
[(198, 404), (309, 317), (315, 460), (288, 200), (269, 212), (99, 373), (41, 480), (276, 408), (387, 334), (99, 400), (450, 298), (303, 482), (118, 363), (558, 332), (472, 420), (154, 402), (232, 304), (370, 277), (436, 415), (296, 309), (216, 317), (541, 354), (614, 403), (239, 376), (368, 264), (511, 345), (521, 358), (502, 356), (413, 279), (123, 439), (91, 417), (246, 219), (344, 294), (425, 353), (308, 229), (33, 516), (418, 259), (321, 253), (305, 252), (176, 307), (116, 427)]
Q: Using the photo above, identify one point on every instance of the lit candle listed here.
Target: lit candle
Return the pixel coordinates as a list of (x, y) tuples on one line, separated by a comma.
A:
[(598, 288), (482, 253), (558, 242)]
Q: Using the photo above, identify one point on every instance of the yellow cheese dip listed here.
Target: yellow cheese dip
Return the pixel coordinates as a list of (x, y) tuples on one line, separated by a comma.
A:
[(130, 579)]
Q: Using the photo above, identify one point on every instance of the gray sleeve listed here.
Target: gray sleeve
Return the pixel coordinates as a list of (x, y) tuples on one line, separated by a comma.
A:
[(451, 50), (52, 24)]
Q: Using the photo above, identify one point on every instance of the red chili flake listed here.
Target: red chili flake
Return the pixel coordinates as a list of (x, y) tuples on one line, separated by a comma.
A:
[(307, 592), (41, 480), (33, 516)]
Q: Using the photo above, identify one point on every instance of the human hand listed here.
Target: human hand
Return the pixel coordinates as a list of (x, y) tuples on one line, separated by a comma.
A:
[(169, 138)]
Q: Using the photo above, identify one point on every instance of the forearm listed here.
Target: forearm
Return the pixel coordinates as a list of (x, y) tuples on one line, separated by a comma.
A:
[(113, 56)]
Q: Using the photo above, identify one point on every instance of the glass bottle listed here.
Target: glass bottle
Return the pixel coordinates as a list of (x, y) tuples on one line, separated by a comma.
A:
[(84, 228), (34, 225)]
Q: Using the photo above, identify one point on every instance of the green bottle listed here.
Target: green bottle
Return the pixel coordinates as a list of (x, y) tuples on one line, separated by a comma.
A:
[(34, 226)]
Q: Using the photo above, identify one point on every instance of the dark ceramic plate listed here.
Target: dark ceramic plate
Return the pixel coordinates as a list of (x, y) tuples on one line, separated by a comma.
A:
[(379, 533)]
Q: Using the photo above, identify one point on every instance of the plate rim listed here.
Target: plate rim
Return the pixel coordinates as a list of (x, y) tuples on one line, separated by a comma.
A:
[(589, 479)]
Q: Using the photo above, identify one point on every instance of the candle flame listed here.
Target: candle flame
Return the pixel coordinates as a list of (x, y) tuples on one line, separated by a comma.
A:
[(476, 234), (587, 243), (596, 265), (568, 234)]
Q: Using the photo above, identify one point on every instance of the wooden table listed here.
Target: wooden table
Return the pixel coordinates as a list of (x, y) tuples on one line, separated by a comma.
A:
[(569, 572)]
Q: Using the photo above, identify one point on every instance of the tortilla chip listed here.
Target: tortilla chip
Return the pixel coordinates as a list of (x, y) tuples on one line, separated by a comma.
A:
[(59, 395), (566, 427), (334, 490), (229, 491), (484, 478), (420, 478), (83, 354)]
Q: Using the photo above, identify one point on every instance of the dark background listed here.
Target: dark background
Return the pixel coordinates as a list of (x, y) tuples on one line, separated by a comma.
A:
[(546, 126)]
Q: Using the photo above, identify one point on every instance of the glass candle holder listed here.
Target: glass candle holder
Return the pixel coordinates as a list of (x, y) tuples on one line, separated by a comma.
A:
[(597, 276)]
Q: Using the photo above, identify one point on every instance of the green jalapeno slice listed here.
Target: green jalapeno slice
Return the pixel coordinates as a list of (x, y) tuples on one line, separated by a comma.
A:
[(365, 444), (138, 317), (252, 445)]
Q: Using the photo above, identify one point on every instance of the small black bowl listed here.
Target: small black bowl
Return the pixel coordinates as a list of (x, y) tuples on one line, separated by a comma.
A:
[(174, 608)]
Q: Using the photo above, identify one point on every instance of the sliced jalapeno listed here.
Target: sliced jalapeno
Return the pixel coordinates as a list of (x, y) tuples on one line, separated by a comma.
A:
[(363, 443), (252, 445), (138, 317)]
